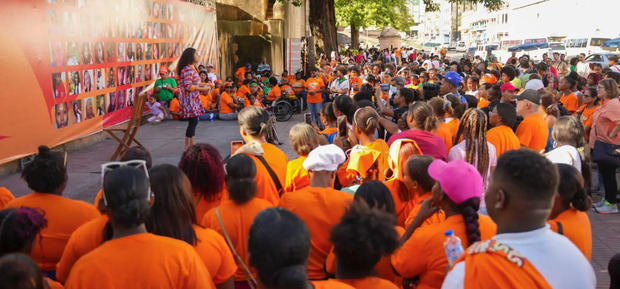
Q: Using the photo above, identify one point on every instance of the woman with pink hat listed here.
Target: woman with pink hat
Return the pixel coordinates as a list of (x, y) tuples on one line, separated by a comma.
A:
[(457, 192)]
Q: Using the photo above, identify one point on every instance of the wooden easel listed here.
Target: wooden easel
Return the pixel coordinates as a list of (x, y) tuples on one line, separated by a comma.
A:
[(128, 129)]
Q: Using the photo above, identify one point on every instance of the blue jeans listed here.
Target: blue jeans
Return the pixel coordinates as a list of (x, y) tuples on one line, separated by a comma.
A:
[(315, 112)]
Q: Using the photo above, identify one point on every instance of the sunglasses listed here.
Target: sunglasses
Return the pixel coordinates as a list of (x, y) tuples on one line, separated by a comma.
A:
[(227, 87), (108, 167)]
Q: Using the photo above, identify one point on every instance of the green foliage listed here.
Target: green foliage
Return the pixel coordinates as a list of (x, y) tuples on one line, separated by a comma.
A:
[(431, 5), (378, 13), (294, 2)]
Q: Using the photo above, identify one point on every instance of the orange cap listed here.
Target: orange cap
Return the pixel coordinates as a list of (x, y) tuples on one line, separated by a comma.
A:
[(163, 69), (488, 78)]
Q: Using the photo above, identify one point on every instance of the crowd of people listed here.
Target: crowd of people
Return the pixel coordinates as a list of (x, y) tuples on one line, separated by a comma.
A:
[(399, 153)]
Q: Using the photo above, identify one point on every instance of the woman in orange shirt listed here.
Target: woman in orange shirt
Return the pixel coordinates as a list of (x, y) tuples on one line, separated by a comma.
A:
[(365, 124), (18, 233), (368, 230), (457, 192), (47, 176), (255, 123), (283, 264), (404, 197), (568, 98), (203, 166), (586, 111), (303, 139), (569, 213), (503, 117), (416, 177), (443, 130), (238, 212), (127, 259)]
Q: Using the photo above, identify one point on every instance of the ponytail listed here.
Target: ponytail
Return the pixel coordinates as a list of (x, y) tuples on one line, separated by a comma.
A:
[(469, 210), (581, 201)]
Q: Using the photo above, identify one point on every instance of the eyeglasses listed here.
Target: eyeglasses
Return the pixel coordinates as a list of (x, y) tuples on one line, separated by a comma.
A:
[(108, 167)]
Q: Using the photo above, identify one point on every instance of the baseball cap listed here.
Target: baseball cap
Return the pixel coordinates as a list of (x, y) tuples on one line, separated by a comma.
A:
[(508, 87), (163, 69), (324, 158), (459, 180), (454, 78), (530, 95), (534, 84), (399, 80)]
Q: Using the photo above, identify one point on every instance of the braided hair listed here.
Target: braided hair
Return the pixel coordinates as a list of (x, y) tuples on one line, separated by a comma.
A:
[(469, 211), (473, 130)]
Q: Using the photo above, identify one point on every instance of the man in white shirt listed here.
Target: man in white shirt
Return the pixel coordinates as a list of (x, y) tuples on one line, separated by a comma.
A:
[(519, 199), (340, 85), (211, 73), (582, 68)]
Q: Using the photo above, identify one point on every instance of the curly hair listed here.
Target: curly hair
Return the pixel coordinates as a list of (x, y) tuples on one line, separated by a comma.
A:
[(363, 229), (47, 172), (203, 166), (19, 228)]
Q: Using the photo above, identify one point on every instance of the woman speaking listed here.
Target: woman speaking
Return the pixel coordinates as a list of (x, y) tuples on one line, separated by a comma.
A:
[(189, 94)]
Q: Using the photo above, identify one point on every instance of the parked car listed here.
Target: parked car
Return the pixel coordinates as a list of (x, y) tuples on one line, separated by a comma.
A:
[(460, 47), (600, 58), (452, 46), (471, 51)]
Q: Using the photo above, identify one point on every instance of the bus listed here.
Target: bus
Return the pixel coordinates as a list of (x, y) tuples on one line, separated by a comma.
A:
[(587, 45)]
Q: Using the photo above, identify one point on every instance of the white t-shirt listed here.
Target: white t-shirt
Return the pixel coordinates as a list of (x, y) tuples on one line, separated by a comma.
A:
[(565, 154), (211, 76), (459, 151), (338, 85), (553, 255)]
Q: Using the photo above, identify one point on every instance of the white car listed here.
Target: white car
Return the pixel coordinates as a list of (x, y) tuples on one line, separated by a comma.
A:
[(461, 47)]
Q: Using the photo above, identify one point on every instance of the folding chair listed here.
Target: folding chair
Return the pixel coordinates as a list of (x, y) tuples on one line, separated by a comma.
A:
[(125, 133)]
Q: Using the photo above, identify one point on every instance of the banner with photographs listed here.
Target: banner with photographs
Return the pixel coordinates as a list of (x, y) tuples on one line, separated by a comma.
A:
[(74, 67)]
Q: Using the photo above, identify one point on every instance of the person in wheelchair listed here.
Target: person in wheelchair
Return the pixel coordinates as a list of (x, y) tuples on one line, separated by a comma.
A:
[(289, 94), (274, 92)]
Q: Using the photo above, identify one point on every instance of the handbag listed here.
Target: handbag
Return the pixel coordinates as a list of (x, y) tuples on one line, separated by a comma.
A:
[(606, 153)]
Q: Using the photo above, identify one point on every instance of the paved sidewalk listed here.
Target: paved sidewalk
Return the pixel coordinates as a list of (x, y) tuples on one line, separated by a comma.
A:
[(166, 140)]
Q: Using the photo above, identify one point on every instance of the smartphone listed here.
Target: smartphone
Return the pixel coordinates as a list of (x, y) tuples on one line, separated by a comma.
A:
[(235, 145), (308, 118)]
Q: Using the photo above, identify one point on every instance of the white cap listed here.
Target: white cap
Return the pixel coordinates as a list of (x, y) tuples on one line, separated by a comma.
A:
[(534, 84), (324, 158)]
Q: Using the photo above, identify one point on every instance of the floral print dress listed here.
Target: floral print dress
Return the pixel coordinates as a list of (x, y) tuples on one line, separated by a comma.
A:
[(189, 97)]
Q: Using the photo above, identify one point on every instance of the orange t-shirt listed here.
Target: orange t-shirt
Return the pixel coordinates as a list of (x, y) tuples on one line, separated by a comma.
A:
[(214, 252), (175, 106), (274, 93), (53, 284), (370, 282), (63, 217), (85, 239), (331, 284), (435, 218), (383, 267), (5, 197), (298, 85), (203, 205), (503, 138), (533, 132), (320, 209), (296, 176), (130, 262), (237, 219), (403, 208), (205, 100), (242, 91), (225, 100), (355, 84), (290, 93), (490, 264), (576, 227), (423, 254), (240, 74), (453, 125), (483, 102), (570, 102), (314, 86), (586, 114), (445, 133)]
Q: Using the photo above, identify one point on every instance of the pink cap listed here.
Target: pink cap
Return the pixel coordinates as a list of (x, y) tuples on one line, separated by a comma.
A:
[(508, 86), (458, 179)]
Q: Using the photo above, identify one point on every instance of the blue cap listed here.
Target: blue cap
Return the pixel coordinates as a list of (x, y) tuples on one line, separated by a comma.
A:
[(454, 78), (449, 232)]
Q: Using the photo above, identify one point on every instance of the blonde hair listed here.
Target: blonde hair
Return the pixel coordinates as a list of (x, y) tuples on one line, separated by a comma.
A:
[(610, 86), (569, 131), (303, 139)]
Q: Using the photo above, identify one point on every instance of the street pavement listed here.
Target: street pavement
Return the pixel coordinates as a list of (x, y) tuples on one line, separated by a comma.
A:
[(165, 141)]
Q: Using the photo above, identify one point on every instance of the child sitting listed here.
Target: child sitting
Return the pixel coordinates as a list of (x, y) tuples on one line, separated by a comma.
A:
[(155, 108)]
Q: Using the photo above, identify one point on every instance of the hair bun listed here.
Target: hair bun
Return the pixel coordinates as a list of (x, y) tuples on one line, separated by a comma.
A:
[(44, 150)]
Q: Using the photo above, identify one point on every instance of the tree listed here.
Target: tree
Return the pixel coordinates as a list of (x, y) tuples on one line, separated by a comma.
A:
[(378, 13)]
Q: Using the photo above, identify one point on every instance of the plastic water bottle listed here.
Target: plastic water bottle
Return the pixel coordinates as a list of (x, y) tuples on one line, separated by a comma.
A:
[(453, 247)]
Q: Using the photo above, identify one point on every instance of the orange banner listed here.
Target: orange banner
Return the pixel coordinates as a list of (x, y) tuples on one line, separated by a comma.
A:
[(72, 67)]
